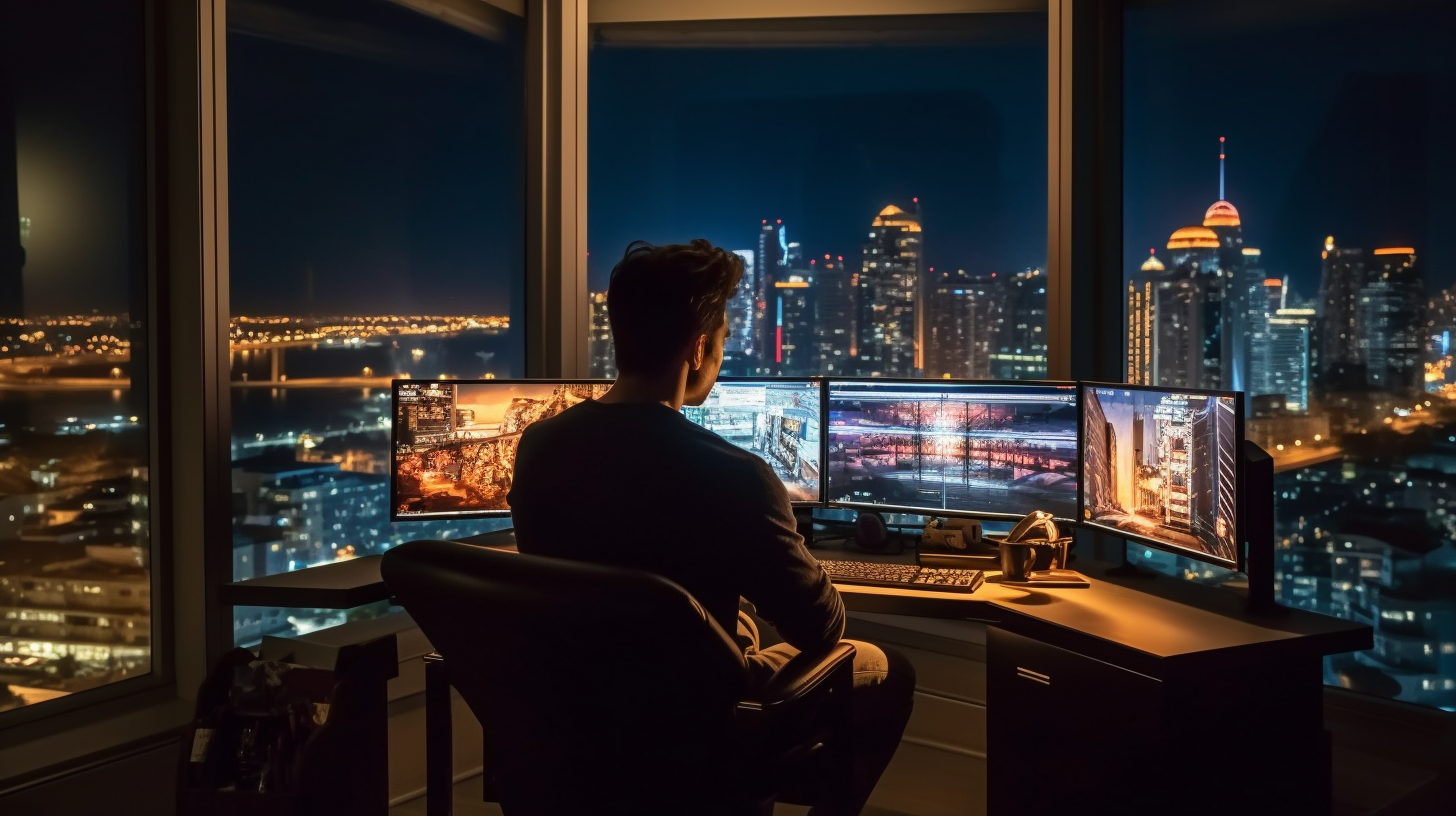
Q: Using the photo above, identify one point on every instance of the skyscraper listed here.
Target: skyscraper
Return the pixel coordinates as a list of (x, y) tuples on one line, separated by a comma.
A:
[(834, 315), (1390, 321), (772, 247), (1342, 275), (602, 357), (1018, 348), (1141, 322), (958, 327), (794, 351), (1261, 305), (738, 345), (1228, 294), (889, 314), (1187, 313), (1286, 357)]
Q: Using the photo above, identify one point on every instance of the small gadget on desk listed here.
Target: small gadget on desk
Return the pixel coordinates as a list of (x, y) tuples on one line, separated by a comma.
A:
[(957, 542), (1035, 553)]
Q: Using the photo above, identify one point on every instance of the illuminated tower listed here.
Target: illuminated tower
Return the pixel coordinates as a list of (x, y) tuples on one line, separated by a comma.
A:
[(1140, 320), (793, 350), (958, 327), (887, 319), (834, 315), (1261, 305), (1187, 313), (602, 356), (1286, 349), (1018, 341), (772, 247), (1390, 321), (1229, 287), (1342, 275), (738, 348)]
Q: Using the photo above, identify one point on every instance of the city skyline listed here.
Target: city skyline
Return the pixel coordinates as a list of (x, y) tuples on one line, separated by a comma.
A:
[(1309, 157)]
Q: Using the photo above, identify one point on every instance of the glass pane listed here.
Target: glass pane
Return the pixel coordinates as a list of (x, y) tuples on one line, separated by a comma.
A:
[(75, 540), (884, 179), (1309, 269), (376, 178)]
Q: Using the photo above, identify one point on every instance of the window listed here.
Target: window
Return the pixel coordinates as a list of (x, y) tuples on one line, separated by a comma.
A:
[(376, 179), (75, 529), (1284, 237), (884, 179)]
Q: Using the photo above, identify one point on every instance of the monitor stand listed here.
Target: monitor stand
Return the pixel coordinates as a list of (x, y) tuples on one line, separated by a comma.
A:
[(804, 524), (1258, 531), (1128, 569)]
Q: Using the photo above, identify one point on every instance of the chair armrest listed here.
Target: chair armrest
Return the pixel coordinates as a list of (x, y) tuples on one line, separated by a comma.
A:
[(803, 674)]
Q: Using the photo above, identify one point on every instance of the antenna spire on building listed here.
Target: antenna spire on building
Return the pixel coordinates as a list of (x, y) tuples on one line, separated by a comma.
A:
[(1220, 168)]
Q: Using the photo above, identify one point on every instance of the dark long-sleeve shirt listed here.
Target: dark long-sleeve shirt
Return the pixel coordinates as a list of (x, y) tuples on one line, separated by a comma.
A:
[(638, 485)]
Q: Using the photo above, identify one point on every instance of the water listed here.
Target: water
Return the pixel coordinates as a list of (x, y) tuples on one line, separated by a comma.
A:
[(468, 355), (45, 410)]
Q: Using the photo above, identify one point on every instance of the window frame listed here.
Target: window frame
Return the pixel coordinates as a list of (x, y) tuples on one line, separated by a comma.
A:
[(188, 243), (570, 358), (38, 743)]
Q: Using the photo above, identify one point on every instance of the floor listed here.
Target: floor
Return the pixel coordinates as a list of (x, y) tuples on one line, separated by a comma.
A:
[(467, 803)]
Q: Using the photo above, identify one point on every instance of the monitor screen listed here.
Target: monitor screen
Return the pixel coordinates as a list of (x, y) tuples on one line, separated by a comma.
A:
[(455, 441), (990, 450), (1160, 466), (777, 420)]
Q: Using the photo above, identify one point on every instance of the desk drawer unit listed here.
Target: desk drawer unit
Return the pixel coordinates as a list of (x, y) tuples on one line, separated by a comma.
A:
[(940, 766), (1061, 725)]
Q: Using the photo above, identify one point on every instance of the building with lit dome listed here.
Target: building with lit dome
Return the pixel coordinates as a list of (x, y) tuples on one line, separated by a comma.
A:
[(890, 312), (1140, 319), (1188, 312)]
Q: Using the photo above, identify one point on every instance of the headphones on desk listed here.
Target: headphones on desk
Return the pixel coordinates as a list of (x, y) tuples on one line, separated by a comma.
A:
[(872, 535)]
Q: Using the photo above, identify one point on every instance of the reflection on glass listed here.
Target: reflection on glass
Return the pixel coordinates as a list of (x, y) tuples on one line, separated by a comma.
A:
[(376, 167), (1306, 264), (75, 538), (883, 178)]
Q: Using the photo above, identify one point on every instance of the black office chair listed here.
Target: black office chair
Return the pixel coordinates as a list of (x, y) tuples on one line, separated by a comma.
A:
[(606, 690)]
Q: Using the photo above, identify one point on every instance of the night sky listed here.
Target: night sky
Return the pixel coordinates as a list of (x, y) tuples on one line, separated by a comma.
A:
[(381, 153), (1338, 116), (707, 142), (380, 149)]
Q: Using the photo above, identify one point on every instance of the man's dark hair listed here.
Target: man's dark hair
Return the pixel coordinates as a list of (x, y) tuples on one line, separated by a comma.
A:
[(661, 298)]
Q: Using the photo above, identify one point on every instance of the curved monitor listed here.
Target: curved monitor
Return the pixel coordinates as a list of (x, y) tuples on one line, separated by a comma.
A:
[(992, 450), (455, 441), (1161, 466)]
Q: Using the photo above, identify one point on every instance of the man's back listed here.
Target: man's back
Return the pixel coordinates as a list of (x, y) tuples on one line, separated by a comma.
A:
[(638, 485)]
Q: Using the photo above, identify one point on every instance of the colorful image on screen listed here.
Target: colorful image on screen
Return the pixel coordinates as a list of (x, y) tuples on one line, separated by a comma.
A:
[(778, 420), (455, 441), (962, 448), (1163, 466)]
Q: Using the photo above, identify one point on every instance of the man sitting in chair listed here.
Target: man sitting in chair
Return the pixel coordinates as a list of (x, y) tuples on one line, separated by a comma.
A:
[(650, 490)]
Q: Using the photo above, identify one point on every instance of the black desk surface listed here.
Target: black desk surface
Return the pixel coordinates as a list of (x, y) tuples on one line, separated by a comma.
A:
[(1161, 628), (1158, 627), (339, 585)]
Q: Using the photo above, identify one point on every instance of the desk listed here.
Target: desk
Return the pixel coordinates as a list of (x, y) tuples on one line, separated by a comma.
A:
[(1155, 699), (1124, 697)]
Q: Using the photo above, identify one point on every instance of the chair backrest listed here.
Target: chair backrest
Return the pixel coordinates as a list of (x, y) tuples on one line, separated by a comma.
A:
[(594, 685)]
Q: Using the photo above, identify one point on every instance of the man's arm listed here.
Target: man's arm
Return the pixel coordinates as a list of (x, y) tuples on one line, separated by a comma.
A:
[(780, 578)]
